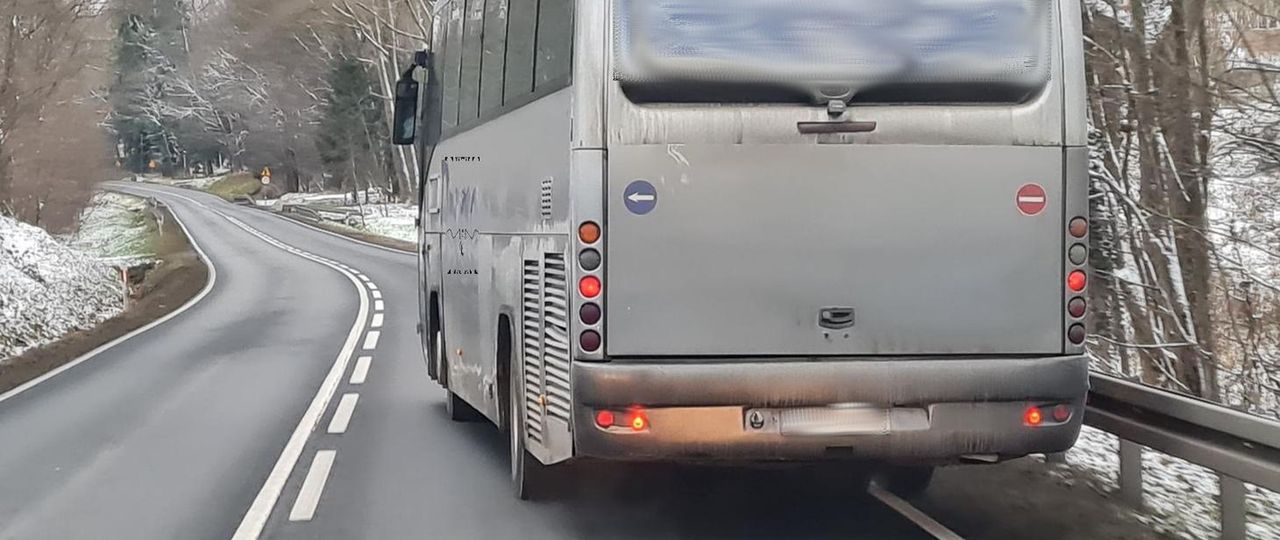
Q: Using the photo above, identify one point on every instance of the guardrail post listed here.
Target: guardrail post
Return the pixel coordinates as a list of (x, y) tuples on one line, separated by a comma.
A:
[(1231, 498), (1131, 473)]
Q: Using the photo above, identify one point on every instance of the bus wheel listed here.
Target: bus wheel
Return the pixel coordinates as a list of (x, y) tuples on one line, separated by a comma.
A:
[(906, 481), (437, 359), (529, 478)]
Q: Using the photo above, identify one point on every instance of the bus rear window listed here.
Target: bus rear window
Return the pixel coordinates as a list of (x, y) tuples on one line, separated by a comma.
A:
[(818, 50)]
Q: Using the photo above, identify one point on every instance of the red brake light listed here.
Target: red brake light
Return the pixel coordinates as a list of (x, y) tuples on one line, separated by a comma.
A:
[(589, 286), (604, 419), (1076, 280)]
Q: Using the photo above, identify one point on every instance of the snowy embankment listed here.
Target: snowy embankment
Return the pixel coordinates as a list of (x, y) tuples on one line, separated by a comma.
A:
[(1181, 498), (116, 230), (48, 289), (50, 286), (389, 219)]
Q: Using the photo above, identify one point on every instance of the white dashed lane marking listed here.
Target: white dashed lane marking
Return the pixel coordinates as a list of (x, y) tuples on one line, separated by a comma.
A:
[(305, 507), (362, 370), (363, 277), (377, 321), (377, 306), (342, 416), (377, 294), (371, 340), (372, 286)]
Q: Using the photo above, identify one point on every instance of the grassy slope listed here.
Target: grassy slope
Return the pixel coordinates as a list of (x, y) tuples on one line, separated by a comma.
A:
[(236, 185)]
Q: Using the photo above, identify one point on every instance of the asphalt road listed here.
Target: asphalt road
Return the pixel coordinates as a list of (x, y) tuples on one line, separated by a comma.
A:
[(179, 432), (292, 402)]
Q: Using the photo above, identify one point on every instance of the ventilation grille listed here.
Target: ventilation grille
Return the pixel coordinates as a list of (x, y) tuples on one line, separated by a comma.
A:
[(532, 350), (545, 338), (546, 198)]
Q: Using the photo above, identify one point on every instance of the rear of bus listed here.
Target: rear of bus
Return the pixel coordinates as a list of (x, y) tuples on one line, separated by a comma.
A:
[(852, 229)]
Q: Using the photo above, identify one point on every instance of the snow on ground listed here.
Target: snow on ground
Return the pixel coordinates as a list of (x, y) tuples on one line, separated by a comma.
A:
[(389, 219), (115, 229), (1181, 498), (392, 220), (48, 289)]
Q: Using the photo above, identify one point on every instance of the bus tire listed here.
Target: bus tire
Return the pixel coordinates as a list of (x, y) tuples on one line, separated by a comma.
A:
[(529, 477), (907, 481)]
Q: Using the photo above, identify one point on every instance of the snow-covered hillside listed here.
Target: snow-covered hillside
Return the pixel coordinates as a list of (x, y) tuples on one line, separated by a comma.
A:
[(48, 289), (116, 230)]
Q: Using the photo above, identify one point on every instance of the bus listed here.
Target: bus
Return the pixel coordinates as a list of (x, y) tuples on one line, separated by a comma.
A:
[(755, 231)]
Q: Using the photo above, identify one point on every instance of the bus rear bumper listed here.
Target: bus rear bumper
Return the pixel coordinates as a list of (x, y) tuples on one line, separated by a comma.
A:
[(898, 410)]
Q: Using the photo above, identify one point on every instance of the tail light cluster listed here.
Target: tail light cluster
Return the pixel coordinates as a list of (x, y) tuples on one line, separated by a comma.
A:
[(1077, 278), (1046, 415), (590, 287), (633, 420)]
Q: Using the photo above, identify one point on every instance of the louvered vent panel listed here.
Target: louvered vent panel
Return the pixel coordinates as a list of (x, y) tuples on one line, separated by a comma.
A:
[(532, 350), (555, 343), (546, 198)]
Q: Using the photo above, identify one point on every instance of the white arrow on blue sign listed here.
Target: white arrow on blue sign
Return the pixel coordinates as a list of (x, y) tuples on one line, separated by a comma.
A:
[(640, 197)]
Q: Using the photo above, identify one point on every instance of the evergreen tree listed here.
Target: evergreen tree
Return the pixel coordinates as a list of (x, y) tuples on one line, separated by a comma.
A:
[(352, 131), (151, 45)]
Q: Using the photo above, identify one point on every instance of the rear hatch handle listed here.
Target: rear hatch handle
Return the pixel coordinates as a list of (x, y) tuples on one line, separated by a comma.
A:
[(835, 318), (848, 126)]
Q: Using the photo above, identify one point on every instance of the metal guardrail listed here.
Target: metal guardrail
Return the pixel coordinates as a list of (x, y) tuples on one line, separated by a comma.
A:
[(1239, 447), (325, 213)]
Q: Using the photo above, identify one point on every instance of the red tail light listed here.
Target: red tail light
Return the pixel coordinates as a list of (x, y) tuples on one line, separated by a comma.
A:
[(604, 419), (1076, 280), (1033, 416), (589, 286)]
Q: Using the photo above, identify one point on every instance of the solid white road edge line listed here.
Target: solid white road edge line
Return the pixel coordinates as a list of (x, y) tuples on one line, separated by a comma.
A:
[(371, 340), (342, 416), (912, 513), (213, 277), (361, 372), (377, 321), (305, 507), (255, 519)]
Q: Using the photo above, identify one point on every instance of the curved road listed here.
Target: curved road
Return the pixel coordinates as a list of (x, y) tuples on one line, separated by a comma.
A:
[(292, 402)]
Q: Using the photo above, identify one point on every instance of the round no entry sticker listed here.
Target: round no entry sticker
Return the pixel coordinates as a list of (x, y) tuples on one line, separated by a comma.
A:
[(1031, 199)]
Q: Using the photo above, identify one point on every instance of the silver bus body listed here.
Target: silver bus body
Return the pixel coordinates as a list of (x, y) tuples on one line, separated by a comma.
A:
[(872, 293)]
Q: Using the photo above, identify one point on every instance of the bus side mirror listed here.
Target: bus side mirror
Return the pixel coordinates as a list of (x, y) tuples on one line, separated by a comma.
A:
[(405, 131)]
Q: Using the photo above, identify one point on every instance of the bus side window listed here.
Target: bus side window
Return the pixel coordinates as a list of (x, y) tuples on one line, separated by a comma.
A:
[(469, 94), (522, 19), (452, 66), (555, 44), (492, 59)]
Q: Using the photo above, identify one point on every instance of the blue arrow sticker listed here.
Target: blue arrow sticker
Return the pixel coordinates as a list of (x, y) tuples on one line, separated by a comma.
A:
[(641, 197)]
